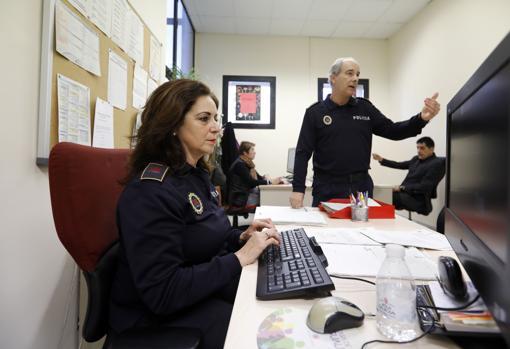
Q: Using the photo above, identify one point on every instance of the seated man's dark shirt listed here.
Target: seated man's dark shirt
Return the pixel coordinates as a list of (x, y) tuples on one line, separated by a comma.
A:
[(420, 184)]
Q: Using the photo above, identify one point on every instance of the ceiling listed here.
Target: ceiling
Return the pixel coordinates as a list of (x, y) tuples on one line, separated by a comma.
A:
[(370, 19)]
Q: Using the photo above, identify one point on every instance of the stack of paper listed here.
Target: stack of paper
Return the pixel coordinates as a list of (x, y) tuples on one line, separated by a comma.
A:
[(288, 215), (422, 238), (348, 236), (337, 206), (356, 260)]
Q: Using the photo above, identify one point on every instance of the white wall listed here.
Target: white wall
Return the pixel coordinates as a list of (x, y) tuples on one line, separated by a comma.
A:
[(438, 51), (37, 287), (296, 62)]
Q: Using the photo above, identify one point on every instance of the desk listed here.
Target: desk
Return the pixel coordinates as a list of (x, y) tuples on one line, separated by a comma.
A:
[(278, 194), (249, 312)]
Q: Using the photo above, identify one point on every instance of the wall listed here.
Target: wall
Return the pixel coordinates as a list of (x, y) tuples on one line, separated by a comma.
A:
[(38, 291), (296, 62), (439, 50)]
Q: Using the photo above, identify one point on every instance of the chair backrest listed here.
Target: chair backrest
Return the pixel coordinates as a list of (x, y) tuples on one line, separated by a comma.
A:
[(84, 189)]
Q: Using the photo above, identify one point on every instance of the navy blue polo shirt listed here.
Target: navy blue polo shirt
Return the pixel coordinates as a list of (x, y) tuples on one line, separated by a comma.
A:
[(340, 138)]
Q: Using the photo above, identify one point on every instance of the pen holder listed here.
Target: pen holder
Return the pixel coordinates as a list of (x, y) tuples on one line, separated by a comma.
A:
[(359, 214)]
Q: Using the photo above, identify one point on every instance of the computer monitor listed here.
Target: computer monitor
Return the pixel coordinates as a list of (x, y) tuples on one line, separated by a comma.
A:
[(477, 182), (291, 154)]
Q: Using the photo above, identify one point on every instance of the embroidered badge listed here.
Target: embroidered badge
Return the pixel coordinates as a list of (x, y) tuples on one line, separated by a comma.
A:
[(327, 120), (361, 117), (196, 203), (155, 172)]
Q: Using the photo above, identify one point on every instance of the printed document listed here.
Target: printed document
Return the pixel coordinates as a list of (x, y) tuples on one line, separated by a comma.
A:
[(103, 125), (155, 59), (348, 236), (73, 111), (139, 87), (117, 81), (356, 260), (422, 238), (288, 215), (75, 40)]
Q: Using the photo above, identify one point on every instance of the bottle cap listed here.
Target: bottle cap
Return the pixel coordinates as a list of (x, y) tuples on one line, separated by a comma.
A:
[(393, 250)]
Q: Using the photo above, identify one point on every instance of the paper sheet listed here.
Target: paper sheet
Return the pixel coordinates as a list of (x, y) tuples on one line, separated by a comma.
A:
[(366, 261), (75, 40), (423, 238), (103, 125), (441, 300), (288, 215), (100, 13), (139, 87), (155, 59), (117, 81), (73, 111), (119, 18), (151, 86), (134, 36), (347, 236)]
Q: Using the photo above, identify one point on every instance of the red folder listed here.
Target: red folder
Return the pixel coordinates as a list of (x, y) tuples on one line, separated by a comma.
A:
[(383, 211)]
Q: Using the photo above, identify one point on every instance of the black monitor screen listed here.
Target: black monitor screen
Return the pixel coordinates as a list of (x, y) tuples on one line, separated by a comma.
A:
[(479, 162)]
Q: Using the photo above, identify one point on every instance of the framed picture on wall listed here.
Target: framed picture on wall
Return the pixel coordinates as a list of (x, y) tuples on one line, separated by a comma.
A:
[(249, 101), (324, 88)]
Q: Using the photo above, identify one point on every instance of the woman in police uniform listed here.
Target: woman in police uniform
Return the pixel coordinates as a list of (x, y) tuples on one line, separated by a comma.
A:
[(180, 259)]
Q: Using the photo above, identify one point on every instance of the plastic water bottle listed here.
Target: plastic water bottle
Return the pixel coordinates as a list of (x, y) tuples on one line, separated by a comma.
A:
[(396, 297)]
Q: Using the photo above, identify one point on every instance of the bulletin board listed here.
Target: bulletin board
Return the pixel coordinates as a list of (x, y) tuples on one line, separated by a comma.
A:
[(53, 64)]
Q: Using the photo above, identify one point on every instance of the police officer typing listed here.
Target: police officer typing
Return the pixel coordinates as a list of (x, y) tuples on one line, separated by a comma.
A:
[(338, 132), (180, 259)]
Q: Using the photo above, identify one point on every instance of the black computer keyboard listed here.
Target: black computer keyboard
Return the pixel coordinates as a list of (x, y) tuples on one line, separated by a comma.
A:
[(295, 269)]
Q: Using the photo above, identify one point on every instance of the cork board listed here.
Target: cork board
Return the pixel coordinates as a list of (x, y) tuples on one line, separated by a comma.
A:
[(52, 64)]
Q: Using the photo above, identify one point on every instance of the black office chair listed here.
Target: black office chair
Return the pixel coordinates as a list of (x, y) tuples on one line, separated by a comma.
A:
[(84, 189)]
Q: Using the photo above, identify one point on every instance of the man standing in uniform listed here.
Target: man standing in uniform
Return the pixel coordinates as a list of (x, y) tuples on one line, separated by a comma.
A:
[(338, 132), (425, 172)]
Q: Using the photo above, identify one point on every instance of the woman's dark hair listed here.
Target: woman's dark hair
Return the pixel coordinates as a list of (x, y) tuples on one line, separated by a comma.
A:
[(161, 118), (245, 147)]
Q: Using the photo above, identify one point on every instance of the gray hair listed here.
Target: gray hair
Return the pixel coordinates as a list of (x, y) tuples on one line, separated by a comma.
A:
[(337, 66)]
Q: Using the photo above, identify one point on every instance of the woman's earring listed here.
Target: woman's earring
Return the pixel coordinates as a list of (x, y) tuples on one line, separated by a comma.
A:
[(174, 134)]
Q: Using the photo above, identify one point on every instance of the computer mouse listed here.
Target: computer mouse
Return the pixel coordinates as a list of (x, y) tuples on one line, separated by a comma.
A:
[(450, 278), (333, 314)]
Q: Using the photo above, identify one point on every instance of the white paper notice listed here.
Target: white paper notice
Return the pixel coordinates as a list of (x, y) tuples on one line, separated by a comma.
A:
[(151, 86), (73, 111), (117, 81), (155, 59), (134, 37), (119, 18), (100, 13), (103, 125), (81, 5), (76, 41), (139, 87)]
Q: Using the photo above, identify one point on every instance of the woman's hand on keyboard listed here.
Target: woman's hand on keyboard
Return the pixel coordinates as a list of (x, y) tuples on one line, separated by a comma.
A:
[(256, 244), (256, 225)]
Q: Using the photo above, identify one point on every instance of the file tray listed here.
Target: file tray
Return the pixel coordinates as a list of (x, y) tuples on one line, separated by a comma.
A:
[(384, 211)]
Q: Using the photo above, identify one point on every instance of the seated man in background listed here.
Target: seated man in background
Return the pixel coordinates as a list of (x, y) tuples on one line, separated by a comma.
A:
[(243, 179), (425, 172)]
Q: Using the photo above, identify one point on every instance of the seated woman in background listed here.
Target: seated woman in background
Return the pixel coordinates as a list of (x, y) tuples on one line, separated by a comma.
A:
[(179, 258), (243, 179)]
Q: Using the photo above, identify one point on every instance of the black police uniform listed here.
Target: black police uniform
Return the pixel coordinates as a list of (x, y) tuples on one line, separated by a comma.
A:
[(340, 138), (420, 184), (176, 264), (240, 183)]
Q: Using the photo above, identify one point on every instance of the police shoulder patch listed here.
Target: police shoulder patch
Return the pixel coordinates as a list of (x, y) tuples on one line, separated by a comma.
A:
[(154, 171)]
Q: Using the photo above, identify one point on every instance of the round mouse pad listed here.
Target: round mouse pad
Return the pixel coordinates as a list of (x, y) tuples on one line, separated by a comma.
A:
[(286, 328)]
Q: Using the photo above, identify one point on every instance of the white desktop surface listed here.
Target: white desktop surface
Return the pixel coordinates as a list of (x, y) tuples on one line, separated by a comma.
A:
[(248, 312)]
